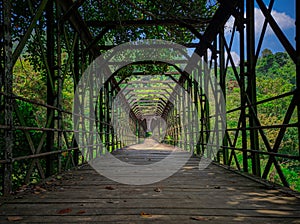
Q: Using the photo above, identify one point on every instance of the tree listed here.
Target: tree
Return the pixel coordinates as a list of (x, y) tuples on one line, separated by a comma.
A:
[(266, 52), (278, 65), (117, 10)]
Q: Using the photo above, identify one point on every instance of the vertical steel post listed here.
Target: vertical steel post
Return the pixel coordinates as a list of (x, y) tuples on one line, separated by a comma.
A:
[(242, 84), (75, 81), (8, 102), (50, 90), (1, 53), (223, 88), (189, 109), (101, 115), (297, 7), (91, 100), (111, 112), (217, 94), (206, 110), (202, 101), (59, 87), (184, 127), (251, 89), (197, 109), (175, 127), (106, 86)]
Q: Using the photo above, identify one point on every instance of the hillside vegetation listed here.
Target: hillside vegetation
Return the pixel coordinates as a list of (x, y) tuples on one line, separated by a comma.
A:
[(276, 75)]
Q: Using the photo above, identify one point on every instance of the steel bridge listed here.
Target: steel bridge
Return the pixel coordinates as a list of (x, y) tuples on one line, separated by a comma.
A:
[(155, 90)]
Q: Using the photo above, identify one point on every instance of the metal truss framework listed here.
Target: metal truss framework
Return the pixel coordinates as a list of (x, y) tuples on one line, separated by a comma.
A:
[(64, 23)]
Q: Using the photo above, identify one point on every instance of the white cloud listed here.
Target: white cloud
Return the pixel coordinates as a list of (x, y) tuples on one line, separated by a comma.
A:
[(235, 57), (283, 20), (229, 25)]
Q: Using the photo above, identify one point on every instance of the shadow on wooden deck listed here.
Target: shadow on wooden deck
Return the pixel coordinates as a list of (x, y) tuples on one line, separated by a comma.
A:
[(213, 195)]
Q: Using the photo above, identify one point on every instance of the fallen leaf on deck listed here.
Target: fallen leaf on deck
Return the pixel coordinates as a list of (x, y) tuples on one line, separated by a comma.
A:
[(188, 167), (146, 215), (198, 218), (157, 189), (38, 188), (64, 211), (109, 188), (113, 202), (81, 212), (14, 218)]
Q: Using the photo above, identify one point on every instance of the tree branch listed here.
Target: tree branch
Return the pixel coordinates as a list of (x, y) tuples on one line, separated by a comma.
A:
[(140, 9)]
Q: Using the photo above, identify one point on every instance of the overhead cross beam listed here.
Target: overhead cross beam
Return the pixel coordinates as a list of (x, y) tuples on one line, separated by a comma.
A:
[(223, 13), (153, 22), (187, 45), (78, 24)]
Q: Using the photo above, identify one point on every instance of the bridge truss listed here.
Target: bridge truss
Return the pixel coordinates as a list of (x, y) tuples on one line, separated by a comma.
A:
[(66, 42)]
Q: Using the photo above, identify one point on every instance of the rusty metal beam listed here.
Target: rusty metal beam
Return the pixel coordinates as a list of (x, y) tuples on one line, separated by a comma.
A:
[(297, 8), (8, 103), (21, 44), (223, 13), (71, 10), (188, 45), (78, 24), (154, 22)]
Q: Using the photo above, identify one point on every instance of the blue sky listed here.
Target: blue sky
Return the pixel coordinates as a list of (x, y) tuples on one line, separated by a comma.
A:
[(284, 13)]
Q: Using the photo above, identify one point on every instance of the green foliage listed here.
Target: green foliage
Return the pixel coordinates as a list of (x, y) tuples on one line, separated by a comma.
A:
[(275, 76), (21, 146), (117, 10), (169, 140), (276, 66), (29, 81), (271, 87), (275, 72)]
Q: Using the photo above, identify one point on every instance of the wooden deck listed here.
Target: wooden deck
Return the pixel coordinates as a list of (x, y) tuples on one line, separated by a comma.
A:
[(214, 195)]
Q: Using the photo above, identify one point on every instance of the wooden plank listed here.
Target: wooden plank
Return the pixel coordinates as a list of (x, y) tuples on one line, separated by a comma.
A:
[(213, 195), (138, 219), (189, 203)]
